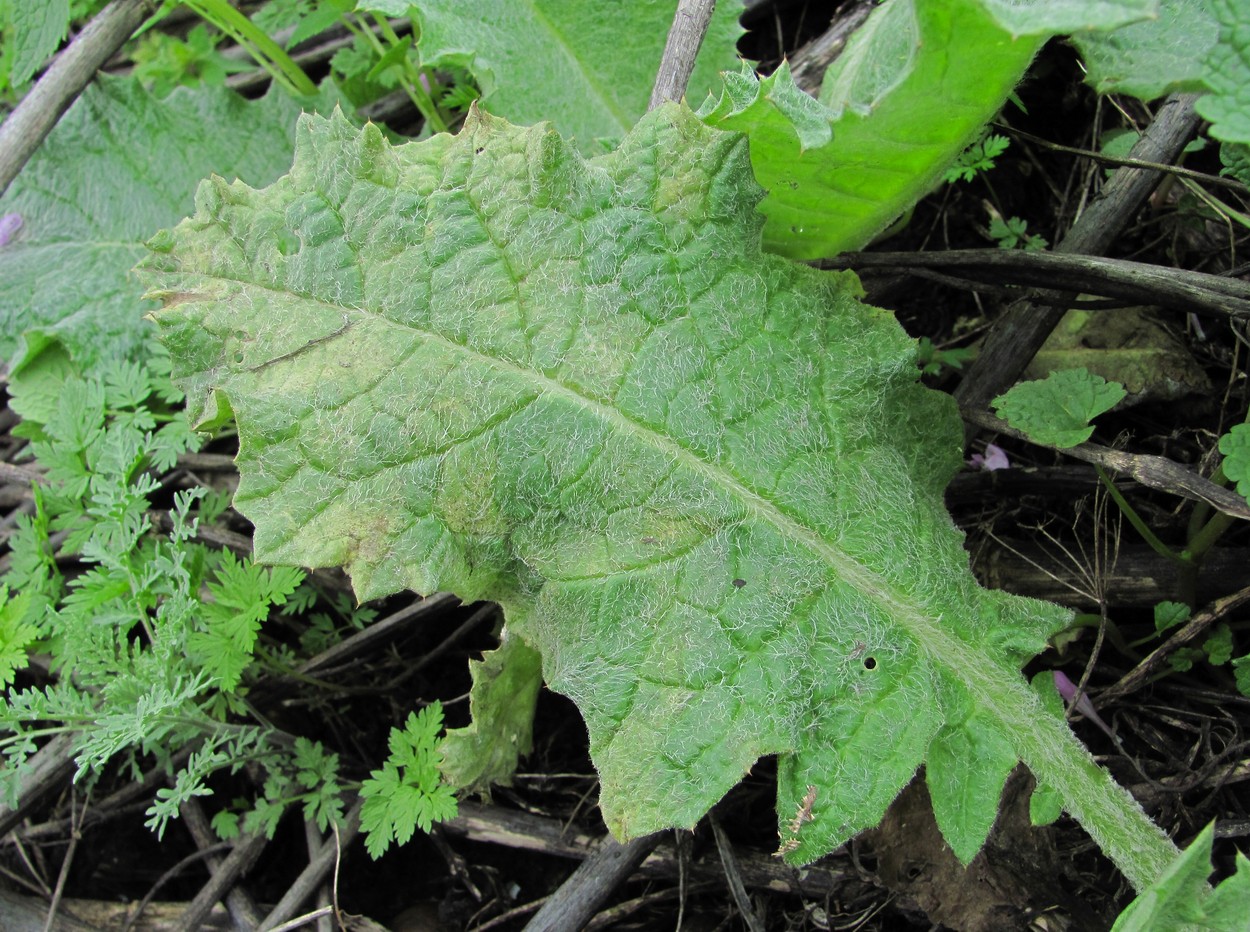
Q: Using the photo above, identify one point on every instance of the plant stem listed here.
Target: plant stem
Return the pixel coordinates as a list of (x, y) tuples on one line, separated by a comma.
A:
[(1047, 746), (268, 54), (410, 78), (690, 24), (1135, 519), (39, 111)]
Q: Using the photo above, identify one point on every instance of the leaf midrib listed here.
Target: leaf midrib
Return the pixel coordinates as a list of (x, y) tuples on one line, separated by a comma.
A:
[(967, 664)]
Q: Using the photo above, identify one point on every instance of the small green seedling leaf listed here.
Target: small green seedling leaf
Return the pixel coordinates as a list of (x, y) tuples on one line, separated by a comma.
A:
[(16, 633), (1235, 445), (1014, 233), (1219, 646), (1056, 411), (407, 793), (1169, 615), (1241, 673), (1181, 899), (978, 157)]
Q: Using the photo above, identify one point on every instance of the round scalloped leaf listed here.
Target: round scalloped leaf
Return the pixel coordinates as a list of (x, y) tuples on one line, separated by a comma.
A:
[(1227, 73), (1155, 57), (1235, 445), (1056, 411)]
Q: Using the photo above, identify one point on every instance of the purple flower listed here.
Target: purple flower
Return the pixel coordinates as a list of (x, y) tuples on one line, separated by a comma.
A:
[(993, 458), (9, 225), (1067, 689)]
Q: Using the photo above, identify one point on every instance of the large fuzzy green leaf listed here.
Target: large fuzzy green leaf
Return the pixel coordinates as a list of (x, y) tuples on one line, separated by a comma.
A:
[(1228, 74), (702, 481), (912, 89), (586, 66), (1193, 45), (119, 166), (1153, 57)]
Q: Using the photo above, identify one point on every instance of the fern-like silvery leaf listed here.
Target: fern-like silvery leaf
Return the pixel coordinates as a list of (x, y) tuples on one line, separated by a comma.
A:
[(702, 481)]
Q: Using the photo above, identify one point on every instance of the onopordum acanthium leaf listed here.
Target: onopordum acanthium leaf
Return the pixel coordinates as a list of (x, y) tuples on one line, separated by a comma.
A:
[(1056, 410), (1181, 899), (702, 481)]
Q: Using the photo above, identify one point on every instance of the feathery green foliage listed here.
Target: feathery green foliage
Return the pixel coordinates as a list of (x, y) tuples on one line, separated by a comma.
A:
[(408, 792), (151, 641)]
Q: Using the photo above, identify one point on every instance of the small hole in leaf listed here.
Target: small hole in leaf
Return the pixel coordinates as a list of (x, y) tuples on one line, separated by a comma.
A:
[(739, 583), (870, 663), (238, 357), (479, 150)]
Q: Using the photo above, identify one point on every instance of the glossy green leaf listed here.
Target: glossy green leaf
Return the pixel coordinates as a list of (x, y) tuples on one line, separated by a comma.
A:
[(702, 481), (585, 66), (902, 103), (117, 167), (1056, 410)]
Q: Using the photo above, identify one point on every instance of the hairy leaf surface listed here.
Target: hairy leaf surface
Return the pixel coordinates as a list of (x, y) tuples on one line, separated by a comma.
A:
[(35, 30), (1181, 898), (117, 167), (1153, 57), (585, 66), (702, 481), (1193, 45)]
